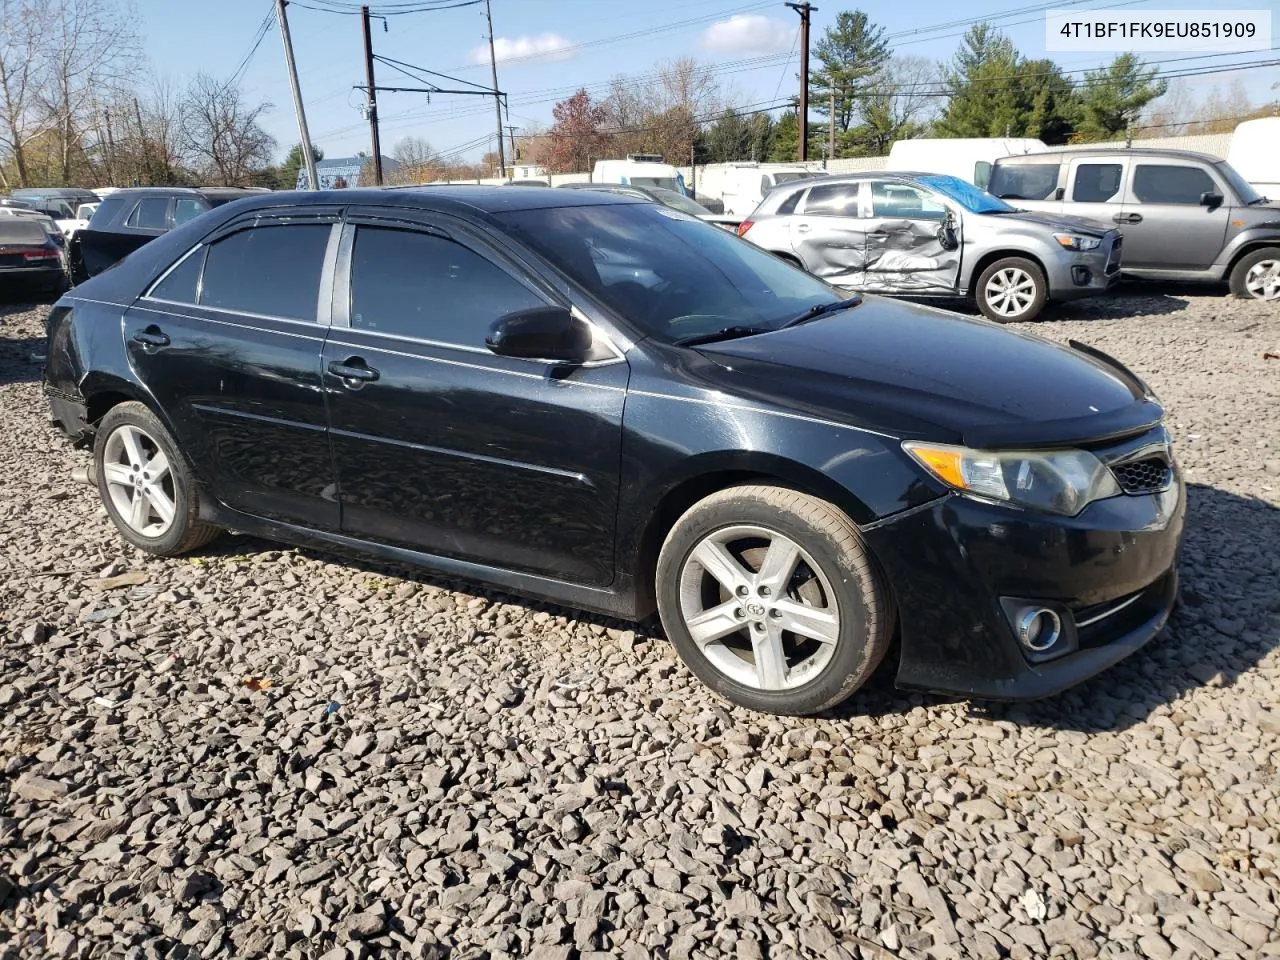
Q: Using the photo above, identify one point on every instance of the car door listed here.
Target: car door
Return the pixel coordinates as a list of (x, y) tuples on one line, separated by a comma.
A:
[(442, 446), (904, 234), (1096, 188), (828, 235), (1165, 224), (229, 344)]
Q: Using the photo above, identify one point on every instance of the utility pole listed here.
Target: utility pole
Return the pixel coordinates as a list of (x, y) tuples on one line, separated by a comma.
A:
[(373, 98), (831, 128), (511, 132), (805, 10), (497, 99), (307, 157)]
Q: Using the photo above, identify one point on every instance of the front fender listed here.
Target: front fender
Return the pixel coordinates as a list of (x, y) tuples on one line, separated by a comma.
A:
[(1266, 234)]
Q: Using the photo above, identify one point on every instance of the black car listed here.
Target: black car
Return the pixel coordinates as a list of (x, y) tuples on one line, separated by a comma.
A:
[(57, 202), (599, 402), (29, 256), (126, 220), (668, 198)]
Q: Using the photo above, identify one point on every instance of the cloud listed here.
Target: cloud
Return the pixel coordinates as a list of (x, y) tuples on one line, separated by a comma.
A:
[(544, 46), (748, 33)]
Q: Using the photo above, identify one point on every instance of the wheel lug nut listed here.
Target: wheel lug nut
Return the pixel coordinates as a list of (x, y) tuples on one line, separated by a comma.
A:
[(764, 591), (742, 591)]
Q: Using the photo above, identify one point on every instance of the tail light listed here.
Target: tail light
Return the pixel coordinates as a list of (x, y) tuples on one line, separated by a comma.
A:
[(744, 226), (38, 253)]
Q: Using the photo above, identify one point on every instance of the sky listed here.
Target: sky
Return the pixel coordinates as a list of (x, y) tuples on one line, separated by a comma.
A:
[(549, 48)]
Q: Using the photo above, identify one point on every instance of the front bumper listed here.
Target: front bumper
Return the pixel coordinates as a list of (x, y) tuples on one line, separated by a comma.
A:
[(950, 562), (1088, 273)]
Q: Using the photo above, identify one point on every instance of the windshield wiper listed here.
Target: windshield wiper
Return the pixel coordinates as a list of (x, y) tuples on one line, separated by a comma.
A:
[(724, 333), (822, 309)]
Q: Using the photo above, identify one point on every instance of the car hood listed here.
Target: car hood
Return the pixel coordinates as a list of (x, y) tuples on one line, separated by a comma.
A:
[(917, 372), (1056, 221)]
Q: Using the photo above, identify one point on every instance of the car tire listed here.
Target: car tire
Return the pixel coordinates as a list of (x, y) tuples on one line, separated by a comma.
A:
[(156, 510), (1252, 277), (821, 580), (1011, 290)]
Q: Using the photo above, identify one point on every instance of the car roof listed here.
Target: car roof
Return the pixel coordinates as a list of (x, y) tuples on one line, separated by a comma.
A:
[(1108, 149), (457, 198), (61, 193), (128, 192)]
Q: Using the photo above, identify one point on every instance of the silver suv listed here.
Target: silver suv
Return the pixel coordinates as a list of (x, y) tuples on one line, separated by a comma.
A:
[(1185, 216), (923, 234)]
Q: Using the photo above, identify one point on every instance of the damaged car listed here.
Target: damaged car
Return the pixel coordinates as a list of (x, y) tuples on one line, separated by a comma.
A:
[(932, 235)]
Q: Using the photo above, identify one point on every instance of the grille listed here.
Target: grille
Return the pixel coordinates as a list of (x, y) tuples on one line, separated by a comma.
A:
[(1143, 476)]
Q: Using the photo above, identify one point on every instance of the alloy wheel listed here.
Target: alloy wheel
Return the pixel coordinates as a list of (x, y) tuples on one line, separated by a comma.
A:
[(1263, 280), (1011, 291), (139, 481), (759, 608)]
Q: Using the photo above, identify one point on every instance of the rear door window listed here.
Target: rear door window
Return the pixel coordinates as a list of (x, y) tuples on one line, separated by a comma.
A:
[(151, 213), (105, 212), (271, 270), (832, 200), (1160, 183), (1024, 181), (187, 208), (1097, 183)]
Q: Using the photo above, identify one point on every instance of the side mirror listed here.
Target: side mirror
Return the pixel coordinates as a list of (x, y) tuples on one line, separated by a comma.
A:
[(543, 333), (1211, 200), (946, 234), (1059, 193)]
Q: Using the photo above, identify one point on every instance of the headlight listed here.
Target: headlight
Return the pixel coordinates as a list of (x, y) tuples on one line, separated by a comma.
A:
[(1057, 481), (1071, 241)]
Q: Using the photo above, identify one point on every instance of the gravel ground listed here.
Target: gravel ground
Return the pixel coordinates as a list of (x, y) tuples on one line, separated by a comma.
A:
[(268, 752)]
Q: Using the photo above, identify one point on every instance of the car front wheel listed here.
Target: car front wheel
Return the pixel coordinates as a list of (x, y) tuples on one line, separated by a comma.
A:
[(772, 600), (1257, 275), (1011, 290), (146, 485)]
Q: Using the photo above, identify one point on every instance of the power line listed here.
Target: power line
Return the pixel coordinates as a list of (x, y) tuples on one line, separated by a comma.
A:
[(263, 29)]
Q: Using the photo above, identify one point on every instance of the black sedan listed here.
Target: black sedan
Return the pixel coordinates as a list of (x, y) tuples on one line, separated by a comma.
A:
[(607, 404)]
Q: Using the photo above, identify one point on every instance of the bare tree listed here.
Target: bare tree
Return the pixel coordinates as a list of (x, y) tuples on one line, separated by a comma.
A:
[(899, 104), (412, 152), (23, 63), (90, 48), (664, 115), (221, 133)]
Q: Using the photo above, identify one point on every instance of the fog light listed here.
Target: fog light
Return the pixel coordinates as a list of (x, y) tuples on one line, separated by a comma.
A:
[(1081, 276), (1038, 628)]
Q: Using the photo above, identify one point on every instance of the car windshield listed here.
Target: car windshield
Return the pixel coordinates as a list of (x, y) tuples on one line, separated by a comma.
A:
[(667, 183), (1243, 188), (678, 201), (966, 194), (787, 177), (672, 276)]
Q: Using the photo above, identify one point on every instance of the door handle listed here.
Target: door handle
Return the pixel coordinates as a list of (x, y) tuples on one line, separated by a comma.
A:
[(802, 228), (151, 338), (1127, 218), (353, 370)]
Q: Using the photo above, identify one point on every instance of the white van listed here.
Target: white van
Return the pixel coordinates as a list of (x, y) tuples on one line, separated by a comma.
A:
[(639, 170), (1255, 154), (967, 158), (745, 184)]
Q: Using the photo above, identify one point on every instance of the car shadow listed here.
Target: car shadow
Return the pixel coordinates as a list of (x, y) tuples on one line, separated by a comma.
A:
[(1227, 622), (21, 357)]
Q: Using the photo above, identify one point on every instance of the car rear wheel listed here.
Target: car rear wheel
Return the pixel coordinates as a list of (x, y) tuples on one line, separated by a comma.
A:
[(1011, 290), (772, 600), (146, 485), (1257, 275)]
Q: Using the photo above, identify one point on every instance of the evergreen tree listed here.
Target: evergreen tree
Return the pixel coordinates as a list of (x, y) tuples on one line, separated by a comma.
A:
[(293, 162), (1113, 96), (729, 138), (850, 56), (785, 147)]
